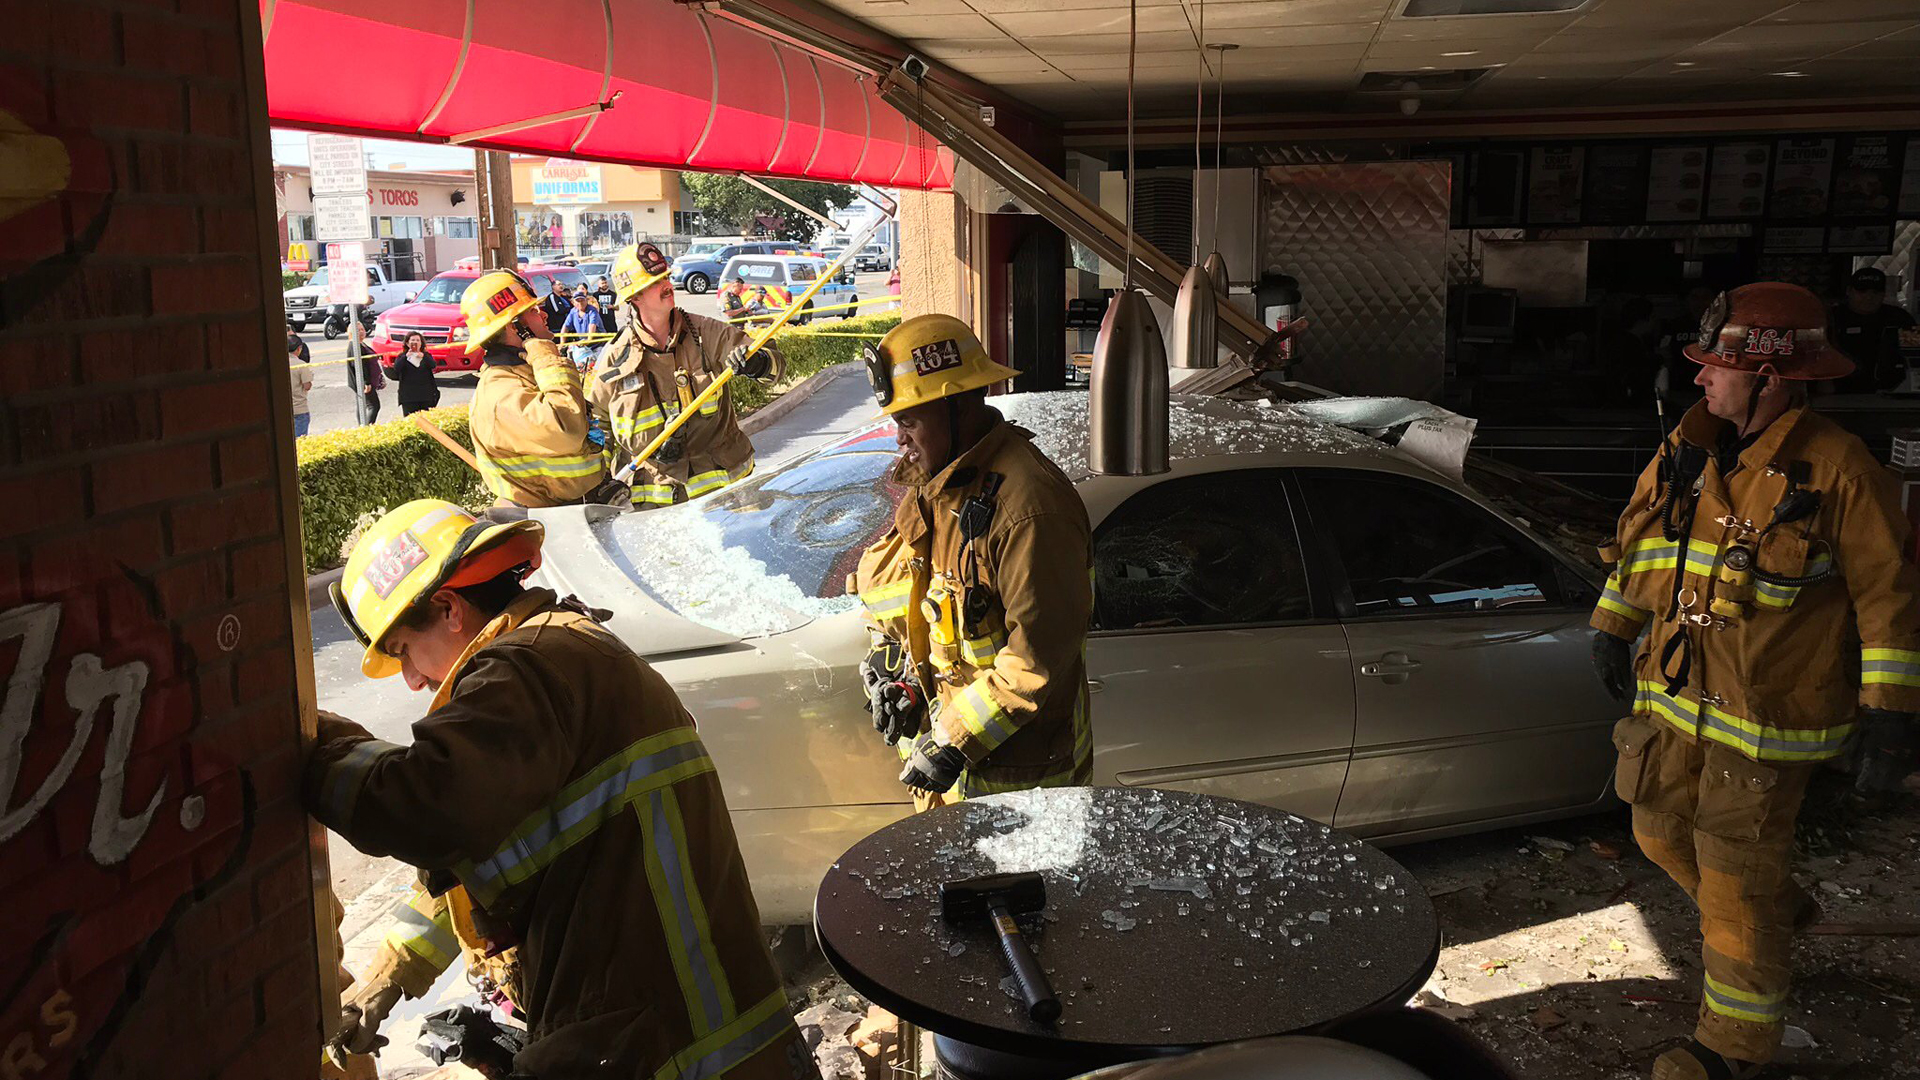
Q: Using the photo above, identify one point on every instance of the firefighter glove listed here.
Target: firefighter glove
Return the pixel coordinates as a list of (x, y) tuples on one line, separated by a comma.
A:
[(757, 366), (1613, 662), (894, 696), (673, 449), (361, 1018), (932, 767), (471, 1037), (1887, 750)]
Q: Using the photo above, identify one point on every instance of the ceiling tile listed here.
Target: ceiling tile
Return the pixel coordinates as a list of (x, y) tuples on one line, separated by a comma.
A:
[(957, 48), (1468, 54), (1287, 36), (1658, 16), (1609, 48), (1298, 12), (1160, 43), (1472, 27), (1109, 20), (997, 7), (1007, 66), (1822, 11), (1837, 33), (933, 27), (866, 9)]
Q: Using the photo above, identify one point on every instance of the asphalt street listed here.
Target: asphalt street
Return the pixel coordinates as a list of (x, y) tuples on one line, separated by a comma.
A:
[(331, 402)]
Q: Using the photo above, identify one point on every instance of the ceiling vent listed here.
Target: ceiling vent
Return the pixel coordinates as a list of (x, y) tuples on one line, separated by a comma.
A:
[(1422, 82), (1427, 9)]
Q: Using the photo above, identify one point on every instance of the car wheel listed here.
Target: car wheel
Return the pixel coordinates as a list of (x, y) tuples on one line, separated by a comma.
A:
[(329, 331), (805, 316), (852, 310), (697, 283)]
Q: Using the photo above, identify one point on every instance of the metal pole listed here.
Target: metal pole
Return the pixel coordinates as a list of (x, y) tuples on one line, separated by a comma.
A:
[(354, 375)]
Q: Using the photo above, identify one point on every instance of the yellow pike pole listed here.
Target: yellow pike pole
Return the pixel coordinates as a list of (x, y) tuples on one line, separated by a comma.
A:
[(713, 388)]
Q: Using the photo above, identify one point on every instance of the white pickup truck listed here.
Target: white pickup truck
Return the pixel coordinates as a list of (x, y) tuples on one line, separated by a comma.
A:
[(308, 303)]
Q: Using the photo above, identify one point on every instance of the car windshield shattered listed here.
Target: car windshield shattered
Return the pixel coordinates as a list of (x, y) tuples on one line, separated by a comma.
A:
[(770, 553)]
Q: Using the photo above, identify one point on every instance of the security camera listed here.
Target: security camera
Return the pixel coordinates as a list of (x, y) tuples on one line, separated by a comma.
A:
[(1409, 106), (914, 67)]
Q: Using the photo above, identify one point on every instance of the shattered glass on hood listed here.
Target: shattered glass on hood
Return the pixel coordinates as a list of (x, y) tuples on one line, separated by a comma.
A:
[(1199, 426)]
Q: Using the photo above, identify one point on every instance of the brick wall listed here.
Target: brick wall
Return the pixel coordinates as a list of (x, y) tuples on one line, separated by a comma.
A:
[(155, 865)]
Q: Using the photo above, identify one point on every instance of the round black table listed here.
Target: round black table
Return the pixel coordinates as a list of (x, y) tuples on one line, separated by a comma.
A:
[(1173, 921)]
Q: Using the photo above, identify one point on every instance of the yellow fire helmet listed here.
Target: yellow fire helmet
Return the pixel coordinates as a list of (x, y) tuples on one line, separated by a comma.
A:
[(411, 553), (927, 358), (637, 267), (491, 302)]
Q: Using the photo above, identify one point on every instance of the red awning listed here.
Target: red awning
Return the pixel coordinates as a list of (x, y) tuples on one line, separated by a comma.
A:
[(696, 93)]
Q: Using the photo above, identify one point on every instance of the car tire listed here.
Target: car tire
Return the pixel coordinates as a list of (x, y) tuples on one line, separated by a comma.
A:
[(329, 331), (805, 316), (698, 283), (849, 312)]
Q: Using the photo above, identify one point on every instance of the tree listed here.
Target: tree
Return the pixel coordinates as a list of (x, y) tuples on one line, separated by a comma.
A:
[(731, 204)]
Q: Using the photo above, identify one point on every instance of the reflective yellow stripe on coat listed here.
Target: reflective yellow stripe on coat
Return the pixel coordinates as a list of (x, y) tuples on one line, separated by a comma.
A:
[(1761, 742), (424, 927)]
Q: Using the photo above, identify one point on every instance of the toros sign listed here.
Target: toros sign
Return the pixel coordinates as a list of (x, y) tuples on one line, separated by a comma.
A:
[(398, 197)]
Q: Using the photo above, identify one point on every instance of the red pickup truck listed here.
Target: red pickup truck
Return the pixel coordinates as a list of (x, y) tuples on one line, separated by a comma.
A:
[(435, 313)]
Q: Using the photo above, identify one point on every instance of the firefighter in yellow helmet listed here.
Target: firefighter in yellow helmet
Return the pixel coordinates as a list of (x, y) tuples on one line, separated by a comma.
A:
[(559, 782), (980, 596), (1761, 549), (654, 369), (529, 417)]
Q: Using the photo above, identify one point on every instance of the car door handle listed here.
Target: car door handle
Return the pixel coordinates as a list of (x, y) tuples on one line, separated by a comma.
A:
[(1394, 665)]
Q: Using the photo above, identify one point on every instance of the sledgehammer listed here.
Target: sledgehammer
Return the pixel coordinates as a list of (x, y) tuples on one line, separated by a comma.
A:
[(1000, 896)]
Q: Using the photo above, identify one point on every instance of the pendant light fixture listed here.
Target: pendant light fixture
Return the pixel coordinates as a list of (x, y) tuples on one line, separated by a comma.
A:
[(1216, 263), (1127, 406), (1194, 317)]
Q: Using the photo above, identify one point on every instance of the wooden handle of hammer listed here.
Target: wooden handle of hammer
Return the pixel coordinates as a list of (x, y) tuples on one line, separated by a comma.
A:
[(445, 440)]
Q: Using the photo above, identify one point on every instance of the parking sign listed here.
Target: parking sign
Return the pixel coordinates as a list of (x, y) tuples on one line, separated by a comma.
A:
[(347, 273)]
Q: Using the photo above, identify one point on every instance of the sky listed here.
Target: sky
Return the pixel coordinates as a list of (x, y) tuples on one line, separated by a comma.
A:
[(290, 148)]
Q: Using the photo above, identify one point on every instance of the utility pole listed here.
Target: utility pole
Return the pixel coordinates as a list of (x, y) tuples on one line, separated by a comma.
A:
[(493, 181)]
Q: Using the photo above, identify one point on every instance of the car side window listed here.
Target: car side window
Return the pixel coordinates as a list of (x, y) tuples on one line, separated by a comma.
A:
[(800, 272), (1412, 548), (1212, 550), (725, 254)]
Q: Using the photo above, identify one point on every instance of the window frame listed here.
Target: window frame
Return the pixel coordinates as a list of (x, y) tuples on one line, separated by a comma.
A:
[(1327, 553), (1319, 597)]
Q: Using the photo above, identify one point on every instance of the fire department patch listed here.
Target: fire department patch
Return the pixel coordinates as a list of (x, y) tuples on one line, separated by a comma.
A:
[(1766, 341), (395, 560), (936, 356)]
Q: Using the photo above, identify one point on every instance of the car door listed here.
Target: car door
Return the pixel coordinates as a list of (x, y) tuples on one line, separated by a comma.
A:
[(1211, 667), (1474, 694)]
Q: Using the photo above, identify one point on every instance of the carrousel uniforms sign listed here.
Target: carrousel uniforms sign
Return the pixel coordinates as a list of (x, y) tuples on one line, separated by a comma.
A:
[(567, 183)]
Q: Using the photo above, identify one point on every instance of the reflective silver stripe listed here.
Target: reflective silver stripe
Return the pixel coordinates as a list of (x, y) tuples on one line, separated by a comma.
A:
[(1740, 1004), (752, 1032), (709, 1004), (345, 778), (425, 938), (545, 835), (557, 465)]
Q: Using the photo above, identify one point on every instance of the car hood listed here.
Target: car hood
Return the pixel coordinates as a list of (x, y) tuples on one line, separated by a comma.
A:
[(306, 290), (427, 314)]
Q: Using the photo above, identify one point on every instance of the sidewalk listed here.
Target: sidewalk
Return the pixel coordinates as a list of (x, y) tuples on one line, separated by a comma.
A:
[(841, 407)]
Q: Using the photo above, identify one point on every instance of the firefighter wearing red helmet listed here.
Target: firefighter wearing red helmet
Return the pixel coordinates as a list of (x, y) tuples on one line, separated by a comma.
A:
[(1762, 619)]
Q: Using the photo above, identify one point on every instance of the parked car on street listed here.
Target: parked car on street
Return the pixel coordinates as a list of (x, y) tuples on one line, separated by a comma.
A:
[(873, 257), (308, 303), (753, 284), (1295, 614), (436, 315), (698, 269)]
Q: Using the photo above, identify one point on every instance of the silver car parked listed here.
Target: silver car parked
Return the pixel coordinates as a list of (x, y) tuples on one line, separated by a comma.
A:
[(1295, 614)]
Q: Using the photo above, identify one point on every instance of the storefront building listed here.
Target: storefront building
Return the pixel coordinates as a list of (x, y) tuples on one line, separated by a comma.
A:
[(588, 209), (423, 222)]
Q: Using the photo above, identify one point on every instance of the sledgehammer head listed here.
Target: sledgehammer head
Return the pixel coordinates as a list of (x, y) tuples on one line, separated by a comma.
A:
[(969, 898)]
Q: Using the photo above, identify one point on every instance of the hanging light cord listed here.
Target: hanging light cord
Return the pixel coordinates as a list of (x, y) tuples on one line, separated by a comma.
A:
[(1199, 117), (1133, 9), (1219, 109)]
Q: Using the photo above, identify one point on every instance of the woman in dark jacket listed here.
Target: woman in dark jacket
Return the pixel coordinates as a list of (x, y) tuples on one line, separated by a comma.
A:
[(413, 370)]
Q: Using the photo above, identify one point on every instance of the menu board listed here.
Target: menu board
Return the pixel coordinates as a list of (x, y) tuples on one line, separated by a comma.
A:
[(1616, 185), (1865, 182), (1910, 181), (1793, 240), (1802, 178), (1553, 185), (1860, 240), (1676, 183), (1738, 188)]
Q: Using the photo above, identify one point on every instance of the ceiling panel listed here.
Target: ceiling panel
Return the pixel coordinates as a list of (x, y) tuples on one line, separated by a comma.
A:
[(921, 27), (867, 9), (1472, 27), (1108, 20), (1302, 12), (996, 7), (1287, 36), (1822, 11), (1837, 34)]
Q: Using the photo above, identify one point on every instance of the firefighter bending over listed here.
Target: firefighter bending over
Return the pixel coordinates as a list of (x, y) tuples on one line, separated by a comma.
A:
[(1760, 549), (655, 369), (980, 596), (558, 780), (529, 417)]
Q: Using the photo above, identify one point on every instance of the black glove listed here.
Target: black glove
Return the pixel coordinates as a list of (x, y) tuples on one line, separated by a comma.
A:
[(894, 696), (673, 449), (1886, 751), (932, 767), (1613, 662), (757, 366), (470, 1036)]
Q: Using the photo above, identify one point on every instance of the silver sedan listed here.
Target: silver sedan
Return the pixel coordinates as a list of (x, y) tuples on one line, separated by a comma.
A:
[(1295, 614)]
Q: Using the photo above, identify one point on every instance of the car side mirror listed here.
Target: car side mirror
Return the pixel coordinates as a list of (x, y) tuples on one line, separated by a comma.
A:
[(412, 296)]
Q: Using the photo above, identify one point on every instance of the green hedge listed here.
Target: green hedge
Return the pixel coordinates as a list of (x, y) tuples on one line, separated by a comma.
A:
[(369, 470), (291, 280), (808, 352), (348, 478)]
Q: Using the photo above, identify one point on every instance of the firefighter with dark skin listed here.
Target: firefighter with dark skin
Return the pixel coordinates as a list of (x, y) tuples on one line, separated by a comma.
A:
[(558, 783), (980, 596), (1761, 568), (529, 416), (655, 369)]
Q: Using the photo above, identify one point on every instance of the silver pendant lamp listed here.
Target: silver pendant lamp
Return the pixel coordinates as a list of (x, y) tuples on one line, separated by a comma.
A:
[(1127, 418), (1195, 320)]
